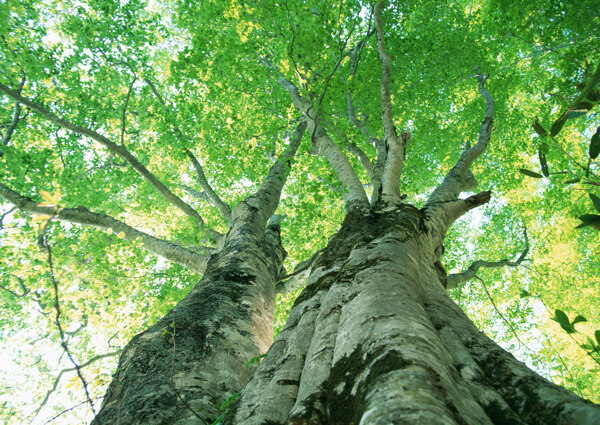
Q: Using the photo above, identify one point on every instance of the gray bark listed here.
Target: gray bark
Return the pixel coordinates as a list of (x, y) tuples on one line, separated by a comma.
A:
[(181, 369), (375, 339)]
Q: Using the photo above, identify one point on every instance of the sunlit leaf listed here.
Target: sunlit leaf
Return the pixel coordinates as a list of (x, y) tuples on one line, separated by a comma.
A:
[(530, 173), (596, 201), (595, 144), (541, 131), (589, 220)]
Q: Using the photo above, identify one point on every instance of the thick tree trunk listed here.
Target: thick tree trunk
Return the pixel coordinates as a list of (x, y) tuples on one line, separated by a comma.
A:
[(374, 339), (182, 368)]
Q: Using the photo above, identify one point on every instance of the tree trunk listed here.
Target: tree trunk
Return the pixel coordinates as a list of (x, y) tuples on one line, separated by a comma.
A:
[(182, 368), (375, 339)]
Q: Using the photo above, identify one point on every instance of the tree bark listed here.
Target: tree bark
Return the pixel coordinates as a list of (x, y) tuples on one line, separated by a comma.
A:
[(182, 368), (375, 339)]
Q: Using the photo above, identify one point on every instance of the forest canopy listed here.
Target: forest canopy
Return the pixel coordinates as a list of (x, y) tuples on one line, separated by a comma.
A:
[(130, 130)]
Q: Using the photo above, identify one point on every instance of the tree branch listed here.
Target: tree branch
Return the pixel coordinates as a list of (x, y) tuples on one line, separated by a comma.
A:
[(326, 147), (223, 208), (113, 147), (298, 278), (508, 324), (458, 279), (266, 199), (396, 146), (71, 369), (124, 114), (82, 215), (361, 156), (459, 178), (63, 340), (15, 118), (193, 192)]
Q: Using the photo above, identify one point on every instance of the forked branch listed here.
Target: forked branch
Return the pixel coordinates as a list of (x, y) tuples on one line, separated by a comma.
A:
[(223, 208), (458, 279), (459, 178), (395, 146), (326, 147)]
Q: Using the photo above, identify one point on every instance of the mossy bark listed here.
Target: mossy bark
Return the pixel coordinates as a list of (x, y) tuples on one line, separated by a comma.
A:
[(181, 369), (375, 339)]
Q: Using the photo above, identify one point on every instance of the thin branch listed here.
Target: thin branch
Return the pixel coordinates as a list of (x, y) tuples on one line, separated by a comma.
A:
[(223, 208), (63, 341), (63, 371), (113, 147), (53, 418), (15, 118), (295, 280), (179, 134), (35, 295), (82, 215), (3, 216), (194, 193), (508, 324), (458, 279), (386, 100), (124, 115), (459, 178), (361, 156)]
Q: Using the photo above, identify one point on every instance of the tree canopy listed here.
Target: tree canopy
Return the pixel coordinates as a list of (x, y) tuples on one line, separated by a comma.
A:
[(130, 130)]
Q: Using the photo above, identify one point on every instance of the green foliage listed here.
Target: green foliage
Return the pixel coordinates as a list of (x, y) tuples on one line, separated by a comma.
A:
[(216, 64)]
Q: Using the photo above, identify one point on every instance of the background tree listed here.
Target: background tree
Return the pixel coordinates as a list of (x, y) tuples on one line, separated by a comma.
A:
[(149, 87)]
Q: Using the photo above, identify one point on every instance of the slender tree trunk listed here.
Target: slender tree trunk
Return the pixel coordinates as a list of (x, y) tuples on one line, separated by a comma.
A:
[(182, 368), (374, 339)]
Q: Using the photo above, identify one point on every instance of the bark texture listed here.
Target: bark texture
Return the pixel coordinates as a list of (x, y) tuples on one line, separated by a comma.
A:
[(374, 339), (182, 368)]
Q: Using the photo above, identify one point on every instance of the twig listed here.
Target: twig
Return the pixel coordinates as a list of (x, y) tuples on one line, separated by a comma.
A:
[(124, 116), (63, 341), (501, 315), (70, 409)]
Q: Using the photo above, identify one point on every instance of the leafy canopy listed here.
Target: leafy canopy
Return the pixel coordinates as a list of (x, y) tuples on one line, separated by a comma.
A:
[(161, 78)]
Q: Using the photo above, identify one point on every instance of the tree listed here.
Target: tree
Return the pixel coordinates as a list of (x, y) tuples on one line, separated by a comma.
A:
[(221, 90)]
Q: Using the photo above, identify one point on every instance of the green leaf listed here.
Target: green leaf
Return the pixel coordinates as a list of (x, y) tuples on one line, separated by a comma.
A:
[(578, 319), (530, 173), (524, 293), (576, 114), (597, 335), (577, 180), (255, 360), (589, 220), (595, 144), (563, 321), (596, 201), (541, 131), (561, 317), (558, 125)]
